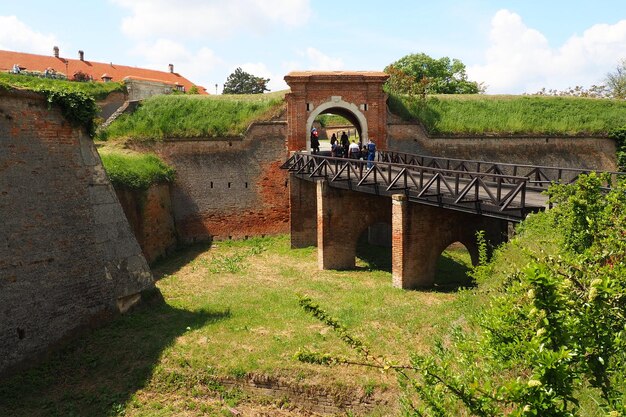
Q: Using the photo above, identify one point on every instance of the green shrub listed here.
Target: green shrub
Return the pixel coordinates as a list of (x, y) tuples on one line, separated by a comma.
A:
[(136, 171)]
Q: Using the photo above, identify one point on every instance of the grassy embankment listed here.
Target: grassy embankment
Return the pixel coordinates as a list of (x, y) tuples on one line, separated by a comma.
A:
[(512, 115), (231, 311), (134, 170), (180, 116), (95, 90)]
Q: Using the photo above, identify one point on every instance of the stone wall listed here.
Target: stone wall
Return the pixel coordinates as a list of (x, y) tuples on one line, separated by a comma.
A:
[(111, 103), (149, 213), (574, 152), (67, 254), (141, 89), (229, 187)]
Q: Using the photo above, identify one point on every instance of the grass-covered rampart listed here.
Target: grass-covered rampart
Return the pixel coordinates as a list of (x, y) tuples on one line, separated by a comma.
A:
[(511, 115), (184, 116), (136, 171), (94, 90)]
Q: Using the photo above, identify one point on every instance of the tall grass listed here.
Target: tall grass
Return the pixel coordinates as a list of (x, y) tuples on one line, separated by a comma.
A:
[(95, 90), (136, 171), (512, 115), (181, 116)]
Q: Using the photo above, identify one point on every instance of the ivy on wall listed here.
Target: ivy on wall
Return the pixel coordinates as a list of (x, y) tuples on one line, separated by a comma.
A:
[(619, 135)]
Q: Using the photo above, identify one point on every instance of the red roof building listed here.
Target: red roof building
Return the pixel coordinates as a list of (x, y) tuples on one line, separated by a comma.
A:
[(97, 71)]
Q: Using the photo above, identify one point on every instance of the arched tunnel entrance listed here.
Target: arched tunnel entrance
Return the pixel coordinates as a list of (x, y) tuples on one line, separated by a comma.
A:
[(342, 118)]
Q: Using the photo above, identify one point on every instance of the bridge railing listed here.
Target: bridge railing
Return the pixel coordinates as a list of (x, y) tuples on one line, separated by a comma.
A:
[(539, 177), (492, 194)]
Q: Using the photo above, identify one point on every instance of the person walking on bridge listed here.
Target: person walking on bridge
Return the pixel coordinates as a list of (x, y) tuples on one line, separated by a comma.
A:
[(371, 153), (353, 151), (315, 142)]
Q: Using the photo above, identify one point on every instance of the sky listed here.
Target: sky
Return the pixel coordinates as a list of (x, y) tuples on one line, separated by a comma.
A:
[(512, 46)]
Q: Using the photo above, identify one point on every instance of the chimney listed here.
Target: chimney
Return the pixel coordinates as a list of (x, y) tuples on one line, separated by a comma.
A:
[(171, 68), (56, 51), (81, 55)]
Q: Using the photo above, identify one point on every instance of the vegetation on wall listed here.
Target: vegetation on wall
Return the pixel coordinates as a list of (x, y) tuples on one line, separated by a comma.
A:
[(75, 99), (184, 116), (95, 90), (136, 172), (514, 115), (619, 135)]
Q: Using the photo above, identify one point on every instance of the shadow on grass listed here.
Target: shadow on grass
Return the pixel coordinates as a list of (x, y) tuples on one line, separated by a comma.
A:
[(98, 373), (179, 258), (451, 274), (376, 258)]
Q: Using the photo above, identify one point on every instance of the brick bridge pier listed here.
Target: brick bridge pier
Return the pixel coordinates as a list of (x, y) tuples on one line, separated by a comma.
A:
[(333, 220)]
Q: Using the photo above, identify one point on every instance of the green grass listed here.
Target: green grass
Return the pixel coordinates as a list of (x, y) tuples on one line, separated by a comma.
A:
[(95, 90), (231, 310), (330, 120), (513, 115), (136, 171), (184, 116)]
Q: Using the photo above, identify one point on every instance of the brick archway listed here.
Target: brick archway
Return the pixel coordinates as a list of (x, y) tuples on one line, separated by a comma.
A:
[(340, 106), (358, 93)]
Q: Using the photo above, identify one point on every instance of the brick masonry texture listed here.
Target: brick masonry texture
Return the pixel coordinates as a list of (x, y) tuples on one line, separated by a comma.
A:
[(67, 254), (314, 89), (229, 187), (149, 213)]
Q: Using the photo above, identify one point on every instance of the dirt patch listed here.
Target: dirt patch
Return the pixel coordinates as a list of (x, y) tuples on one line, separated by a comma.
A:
[(302, 399)]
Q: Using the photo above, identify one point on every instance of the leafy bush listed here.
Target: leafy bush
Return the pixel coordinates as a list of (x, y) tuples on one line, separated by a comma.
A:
[(136, 171), (620, 141)]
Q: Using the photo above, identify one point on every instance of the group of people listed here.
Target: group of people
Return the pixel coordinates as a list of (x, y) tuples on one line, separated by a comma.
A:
[(342, 148)]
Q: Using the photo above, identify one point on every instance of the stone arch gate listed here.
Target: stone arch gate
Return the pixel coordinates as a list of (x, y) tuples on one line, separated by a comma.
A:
[(356, 95)]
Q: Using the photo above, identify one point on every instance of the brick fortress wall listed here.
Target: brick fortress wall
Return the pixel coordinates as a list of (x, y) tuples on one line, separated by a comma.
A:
[(67, 254), (229, 187), (573, 152)]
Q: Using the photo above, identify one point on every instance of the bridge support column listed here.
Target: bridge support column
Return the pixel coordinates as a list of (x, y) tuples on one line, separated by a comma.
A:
[(303, 213), (342, 216), (421, 233)]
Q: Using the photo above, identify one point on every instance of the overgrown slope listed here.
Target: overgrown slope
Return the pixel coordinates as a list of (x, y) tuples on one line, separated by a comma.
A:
[(184, 116), (94, 90)]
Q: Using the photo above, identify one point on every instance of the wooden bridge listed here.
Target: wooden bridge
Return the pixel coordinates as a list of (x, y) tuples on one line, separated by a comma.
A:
[(501, 190), (430, 203)]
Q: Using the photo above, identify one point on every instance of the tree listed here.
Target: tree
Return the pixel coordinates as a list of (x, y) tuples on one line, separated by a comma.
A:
[(433, 76), (241, 82), (616, 81)]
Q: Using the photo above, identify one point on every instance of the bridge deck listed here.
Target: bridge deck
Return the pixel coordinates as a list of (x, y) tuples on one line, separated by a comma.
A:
[(504, 191)]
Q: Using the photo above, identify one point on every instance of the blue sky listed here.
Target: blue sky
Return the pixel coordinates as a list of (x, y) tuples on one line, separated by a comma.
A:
[(513, 46)]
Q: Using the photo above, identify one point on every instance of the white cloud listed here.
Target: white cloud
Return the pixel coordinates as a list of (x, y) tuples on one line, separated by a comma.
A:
[(197, 18), (193, 65), (318, 61), (520, 58), (15, 35)]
